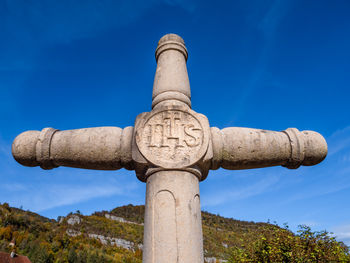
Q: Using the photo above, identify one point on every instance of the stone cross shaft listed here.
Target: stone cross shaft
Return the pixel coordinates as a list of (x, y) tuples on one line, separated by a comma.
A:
[(171, 148)]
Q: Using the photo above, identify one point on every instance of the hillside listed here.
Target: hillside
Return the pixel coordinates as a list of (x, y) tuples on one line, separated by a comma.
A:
[(116, 236)]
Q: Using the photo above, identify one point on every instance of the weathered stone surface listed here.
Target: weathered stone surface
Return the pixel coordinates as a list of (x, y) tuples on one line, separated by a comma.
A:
[(74, 219), (24, 148), (73, 233), (103, 148), (120, 219), (60, 219), (171, 79), (171, 148), (244, 148), (171, 137), (173, 230), (115, 241), (107, 240), (214, 260)]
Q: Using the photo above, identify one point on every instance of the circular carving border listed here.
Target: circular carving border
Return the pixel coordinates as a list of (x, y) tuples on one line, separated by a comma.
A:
[(161, 158)]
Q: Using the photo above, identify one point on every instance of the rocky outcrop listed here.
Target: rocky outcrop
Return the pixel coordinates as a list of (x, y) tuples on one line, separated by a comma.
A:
[(120, 219), (114, 241), (73, 233), (74, 219), (214, 260), (107, 240)]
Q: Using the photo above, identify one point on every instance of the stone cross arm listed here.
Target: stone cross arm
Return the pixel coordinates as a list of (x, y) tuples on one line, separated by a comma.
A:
[(110, 148), (171, 148)]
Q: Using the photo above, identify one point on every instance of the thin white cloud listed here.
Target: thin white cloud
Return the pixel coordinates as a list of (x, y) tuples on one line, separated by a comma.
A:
[(189, 6), (31, 189), (13, 187), (338, 141), (27, 27), (321, 189), (342, 233), (231, 194), (309, 223), (267, 23), (5, 148), (46, 196), (271, 20), (334, 175), (64, 21), (60, 195)]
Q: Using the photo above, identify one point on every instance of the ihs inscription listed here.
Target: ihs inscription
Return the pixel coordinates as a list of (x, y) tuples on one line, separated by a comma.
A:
[(171, 138), (173, 130)]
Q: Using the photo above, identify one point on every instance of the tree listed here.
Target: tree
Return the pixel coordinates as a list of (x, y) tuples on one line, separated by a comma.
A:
[(72, 255)]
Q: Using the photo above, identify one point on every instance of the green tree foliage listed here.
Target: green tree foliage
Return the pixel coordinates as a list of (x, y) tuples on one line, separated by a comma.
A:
[(281, 245)]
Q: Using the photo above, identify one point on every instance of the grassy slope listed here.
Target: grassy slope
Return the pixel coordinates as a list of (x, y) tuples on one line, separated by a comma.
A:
[(45, 240)]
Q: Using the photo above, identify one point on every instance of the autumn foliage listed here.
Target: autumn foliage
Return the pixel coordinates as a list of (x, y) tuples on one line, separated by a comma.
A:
[(45, 240)]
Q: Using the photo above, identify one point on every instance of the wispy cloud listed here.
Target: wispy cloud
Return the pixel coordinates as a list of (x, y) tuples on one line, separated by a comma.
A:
[(322, 188), (63, 21), (34, 191), (45, 196), (233, 194), (5, 148), (265, 17), (342, 232), (27, 28), (304, 196), (60, 195), (338, 141), (333, 175), (310, 223), (270, 20), (189, 6)]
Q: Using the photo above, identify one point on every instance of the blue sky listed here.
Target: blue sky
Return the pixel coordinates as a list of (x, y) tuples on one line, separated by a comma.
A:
[(258, 64)]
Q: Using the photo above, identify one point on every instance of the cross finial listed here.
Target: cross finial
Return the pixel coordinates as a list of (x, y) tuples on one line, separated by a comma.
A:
[(171, 79)]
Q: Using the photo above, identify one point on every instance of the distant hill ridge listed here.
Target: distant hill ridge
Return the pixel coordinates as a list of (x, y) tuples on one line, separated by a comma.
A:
[(117, 236)]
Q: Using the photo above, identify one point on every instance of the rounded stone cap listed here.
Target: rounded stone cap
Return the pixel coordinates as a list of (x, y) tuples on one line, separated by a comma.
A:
[(171, 41), (315, 147), (171, 37), (24, 148)]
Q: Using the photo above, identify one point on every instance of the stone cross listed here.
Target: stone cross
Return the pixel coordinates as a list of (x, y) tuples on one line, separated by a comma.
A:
[(171, 148)]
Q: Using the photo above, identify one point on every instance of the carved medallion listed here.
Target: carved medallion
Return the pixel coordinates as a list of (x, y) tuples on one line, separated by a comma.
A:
[(172, 138)]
